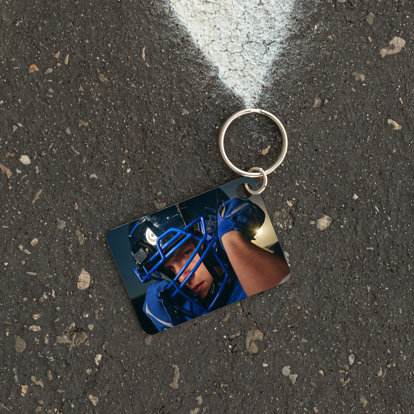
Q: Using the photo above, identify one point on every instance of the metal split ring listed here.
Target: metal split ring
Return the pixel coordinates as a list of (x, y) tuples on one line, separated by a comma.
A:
[(264, 185), (259, 171)]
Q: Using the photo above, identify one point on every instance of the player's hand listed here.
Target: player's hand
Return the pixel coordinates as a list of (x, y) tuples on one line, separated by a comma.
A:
[(240, 215)]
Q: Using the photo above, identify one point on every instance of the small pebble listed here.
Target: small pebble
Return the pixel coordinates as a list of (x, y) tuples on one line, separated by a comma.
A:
[(93, 400), (382, 372), (317, 103), (226, 317), (363, 401), (83, 123), (266, 150), (293, 378), (61, 224), (24, 390), (370, 18), (6, 171), (174, 383), (159, 204), (102, 78), (37, 195), (396, 45), (25, 160), (98, 358), (33, 68), (20, 344), (359, 76), (235, 335), (36, 381), (80, 236), (394, 124), (351, 359), (286, 370), (252, 336), (323, 223), (34, 242), (34, 328), (21, 248), (84, 280)]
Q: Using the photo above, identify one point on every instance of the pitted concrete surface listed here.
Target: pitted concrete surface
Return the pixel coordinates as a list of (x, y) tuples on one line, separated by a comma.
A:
[(109, 111)]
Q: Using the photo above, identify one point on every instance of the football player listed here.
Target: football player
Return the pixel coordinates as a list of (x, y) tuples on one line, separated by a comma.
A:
[(201, 258)]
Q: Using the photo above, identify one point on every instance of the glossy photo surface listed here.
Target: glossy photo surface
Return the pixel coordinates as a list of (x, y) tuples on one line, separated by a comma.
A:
[(197, 256)]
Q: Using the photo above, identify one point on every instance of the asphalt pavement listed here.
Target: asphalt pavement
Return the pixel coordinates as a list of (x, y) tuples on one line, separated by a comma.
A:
[(109, 111)]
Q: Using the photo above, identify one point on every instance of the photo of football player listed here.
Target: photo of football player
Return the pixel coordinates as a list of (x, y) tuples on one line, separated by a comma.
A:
[(200, 255)]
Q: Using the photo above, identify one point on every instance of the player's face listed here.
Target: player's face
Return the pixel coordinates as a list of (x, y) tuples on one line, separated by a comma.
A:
[(201, 280)]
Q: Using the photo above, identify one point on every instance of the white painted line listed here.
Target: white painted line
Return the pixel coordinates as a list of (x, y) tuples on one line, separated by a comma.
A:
[(241, 38)]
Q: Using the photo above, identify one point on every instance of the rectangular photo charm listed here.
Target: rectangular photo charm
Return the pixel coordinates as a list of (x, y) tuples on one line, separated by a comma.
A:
[(197, 256)]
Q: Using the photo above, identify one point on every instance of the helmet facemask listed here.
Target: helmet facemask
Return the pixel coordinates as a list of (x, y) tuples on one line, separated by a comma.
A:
[(151, 255)]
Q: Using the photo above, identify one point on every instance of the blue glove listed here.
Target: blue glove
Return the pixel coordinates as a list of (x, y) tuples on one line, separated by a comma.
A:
[(161, 312), (240, 215)]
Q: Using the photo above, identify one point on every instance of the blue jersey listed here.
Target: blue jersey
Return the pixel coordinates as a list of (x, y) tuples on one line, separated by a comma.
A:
[(165, 315)]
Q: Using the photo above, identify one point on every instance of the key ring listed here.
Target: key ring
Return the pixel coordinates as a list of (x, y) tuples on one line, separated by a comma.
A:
[(261, 172)]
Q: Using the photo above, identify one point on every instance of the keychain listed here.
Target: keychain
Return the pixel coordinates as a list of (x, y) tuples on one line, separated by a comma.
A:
[(203, 253), (259, 171)]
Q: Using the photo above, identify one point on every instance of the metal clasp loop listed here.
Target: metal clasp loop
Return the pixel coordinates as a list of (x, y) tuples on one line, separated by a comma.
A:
[(260, 172), (264, 185)]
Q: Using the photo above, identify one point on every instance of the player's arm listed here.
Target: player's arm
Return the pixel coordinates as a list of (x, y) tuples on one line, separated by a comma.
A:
[(256, 268)]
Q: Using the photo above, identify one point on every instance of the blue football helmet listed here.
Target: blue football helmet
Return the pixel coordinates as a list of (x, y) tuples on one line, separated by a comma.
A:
[(155, 238)]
